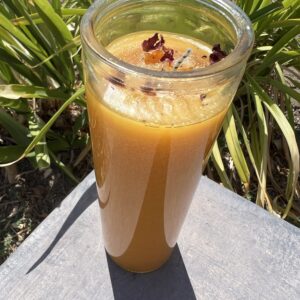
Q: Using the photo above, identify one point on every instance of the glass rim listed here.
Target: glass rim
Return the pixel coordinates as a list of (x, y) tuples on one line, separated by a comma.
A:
[(241, 24)]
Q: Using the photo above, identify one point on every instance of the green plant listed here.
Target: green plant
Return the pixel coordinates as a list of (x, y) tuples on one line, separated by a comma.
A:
[(262, 115), (40, 67), (39, 41)]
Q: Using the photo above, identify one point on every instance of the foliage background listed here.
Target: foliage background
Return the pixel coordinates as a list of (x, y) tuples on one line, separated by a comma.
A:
[(44, 121)]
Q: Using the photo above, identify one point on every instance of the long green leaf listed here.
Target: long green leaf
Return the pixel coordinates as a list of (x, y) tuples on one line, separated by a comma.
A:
[(66, 12), (235, 148), (63, 167), (49, 15), (247, 7), (218, 163), (60, 32), (57, 6), (293, 81), (19, 105), (44, 130), (287, 100), (263, 154), (284, 23), (290, 137), (251, 156), (282, 42), (16, 49), (15, 129), (255, 5), (42, 40), (18, 34), (265, 11), (47, 41), (35, 125), (17, 91), (5, 73), (280, 86), (284, 57), (69, 46), (10, 153), (16, 65)]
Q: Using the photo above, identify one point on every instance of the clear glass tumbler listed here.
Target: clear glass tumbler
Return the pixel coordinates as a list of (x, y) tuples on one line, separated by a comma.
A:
[(148, 166)]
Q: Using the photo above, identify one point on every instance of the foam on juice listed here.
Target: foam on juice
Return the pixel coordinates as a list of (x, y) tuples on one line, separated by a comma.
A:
[(173, 109)]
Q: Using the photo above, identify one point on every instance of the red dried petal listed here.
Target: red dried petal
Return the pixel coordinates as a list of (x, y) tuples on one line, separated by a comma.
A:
[(169, 54), (153, 43), (217, 54)]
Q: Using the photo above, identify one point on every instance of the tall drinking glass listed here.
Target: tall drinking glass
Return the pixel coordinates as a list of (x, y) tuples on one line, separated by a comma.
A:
[(152, 125)]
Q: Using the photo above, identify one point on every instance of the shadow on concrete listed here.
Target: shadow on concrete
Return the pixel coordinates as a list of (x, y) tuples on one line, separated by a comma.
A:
[(171, 281), (83, 203)]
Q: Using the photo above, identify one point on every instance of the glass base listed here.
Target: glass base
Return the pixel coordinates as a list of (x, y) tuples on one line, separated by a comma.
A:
[(140, 270)]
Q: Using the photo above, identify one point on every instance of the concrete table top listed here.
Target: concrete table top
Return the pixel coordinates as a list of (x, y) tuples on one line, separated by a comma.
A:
[(228, 249)]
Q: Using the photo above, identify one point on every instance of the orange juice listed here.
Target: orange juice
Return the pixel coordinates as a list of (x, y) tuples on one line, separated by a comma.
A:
[(148, 150)]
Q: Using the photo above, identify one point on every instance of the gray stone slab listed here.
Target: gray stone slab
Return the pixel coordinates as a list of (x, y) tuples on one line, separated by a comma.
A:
[(228, 249)]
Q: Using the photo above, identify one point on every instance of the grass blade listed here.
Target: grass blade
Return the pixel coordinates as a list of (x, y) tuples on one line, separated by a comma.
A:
[(17, 91), (18, 105), (60, 33), (15, 64), (251, 157), (56, 4), (280, 86), (284, 23), (5, 73), (75, 42), (15, 129), (287, 100), (41, 150), (218, 163), (290, 137), (19, 35), (45, 128), (256, 5), (64, 168), (263, 151), (283, 41), (53, 20), (10, 153), (65, 12), (235, 149), (265, 11)]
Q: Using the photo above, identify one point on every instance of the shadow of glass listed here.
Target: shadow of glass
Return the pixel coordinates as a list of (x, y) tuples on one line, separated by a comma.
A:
[(171, 281), (83, 203)]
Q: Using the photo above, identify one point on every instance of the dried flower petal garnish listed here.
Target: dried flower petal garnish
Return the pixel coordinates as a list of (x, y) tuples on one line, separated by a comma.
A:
[(153, 43), (217, 54), (156, 51), (168, 55)]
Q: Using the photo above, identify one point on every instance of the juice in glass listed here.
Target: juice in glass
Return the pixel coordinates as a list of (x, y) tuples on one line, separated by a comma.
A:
[(152, 127)]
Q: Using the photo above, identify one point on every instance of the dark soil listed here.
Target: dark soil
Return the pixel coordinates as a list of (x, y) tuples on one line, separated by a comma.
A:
[(27, 202)]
